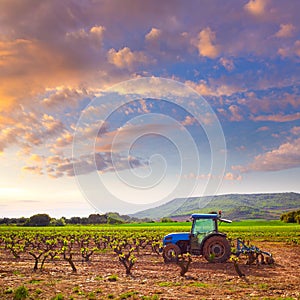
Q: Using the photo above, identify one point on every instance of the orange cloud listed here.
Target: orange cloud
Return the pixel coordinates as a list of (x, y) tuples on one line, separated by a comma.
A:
[(205, 43), (125, 58), (154, 34), (286, 30), (65, 140), (256, 7), (230, 176)]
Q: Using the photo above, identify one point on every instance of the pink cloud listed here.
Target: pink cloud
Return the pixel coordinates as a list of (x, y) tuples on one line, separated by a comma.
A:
[(277, 118), (286, 156)]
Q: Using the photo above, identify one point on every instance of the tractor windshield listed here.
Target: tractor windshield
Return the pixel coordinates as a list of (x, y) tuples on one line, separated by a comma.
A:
[(203, 226)]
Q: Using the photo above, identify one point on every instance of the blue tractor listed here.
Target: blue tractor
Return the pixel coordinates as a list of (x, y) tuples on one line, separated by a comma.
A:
[(204, 239)]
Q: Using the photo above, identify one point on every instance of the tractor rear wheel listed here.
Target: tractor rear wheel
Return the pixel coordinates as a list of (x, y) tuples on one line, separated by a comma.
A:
[(170, 253), (216, 249)]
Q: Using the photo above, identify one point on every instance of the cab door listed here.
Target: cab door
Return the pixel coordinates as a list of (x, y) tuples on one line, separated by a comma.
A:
[(200, 229)]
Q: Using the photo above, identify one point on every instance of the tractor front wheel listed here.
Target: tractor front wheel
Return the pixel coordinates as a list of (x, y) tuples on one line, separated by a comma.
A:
[(170, 253), (216, 249)]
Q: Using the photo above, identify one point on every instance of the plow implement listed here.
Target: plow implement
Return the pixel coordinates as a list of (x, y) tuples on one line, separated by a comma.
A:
[(253, 253)]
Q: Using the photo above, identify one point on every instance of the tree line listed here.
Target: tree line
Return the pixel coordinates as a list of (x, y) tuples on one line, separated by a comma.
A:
[(92, 219)]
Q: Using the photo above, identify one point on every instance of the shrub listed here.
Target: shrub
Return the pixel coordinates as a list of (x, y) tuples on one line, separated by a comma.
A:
[(21, 293), (291, 217)]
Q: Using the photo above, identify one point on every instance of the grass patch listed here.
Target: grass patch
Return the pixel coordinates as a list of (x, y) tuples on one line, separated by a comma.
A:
[(199, 284), (59, 296), (8, 291), (112, 278), (35, 281), (21, 293), (91, 296), (153, 297), (168, 284), (38, 291)]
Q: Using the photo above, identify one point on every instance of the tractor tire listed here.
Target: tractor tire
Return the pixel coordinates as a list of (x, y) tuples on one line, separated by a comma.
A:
[(216, 249), (170, 253)]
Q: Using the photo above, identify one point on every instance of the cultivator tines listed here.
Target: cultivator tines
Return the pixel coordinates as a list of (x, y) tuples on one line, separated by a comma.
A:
[(253, 253)]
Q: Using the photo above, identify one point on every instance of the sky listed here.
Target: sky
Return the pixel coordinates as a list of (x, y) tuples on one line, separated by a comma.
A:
[(122, 105)]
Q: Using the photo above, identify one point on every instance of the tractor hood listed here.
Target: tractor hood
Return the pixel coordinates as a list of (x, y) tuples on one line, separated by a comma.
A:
[(175, 237)]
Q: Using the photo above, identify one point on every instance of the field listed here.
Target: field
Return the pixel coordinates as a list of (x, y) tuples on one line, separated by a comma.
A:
[(85, 262)]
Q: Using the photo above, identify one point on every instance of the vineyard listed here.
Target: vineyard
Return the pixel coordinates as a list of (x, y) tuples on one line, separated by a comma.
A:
[(123, 261)]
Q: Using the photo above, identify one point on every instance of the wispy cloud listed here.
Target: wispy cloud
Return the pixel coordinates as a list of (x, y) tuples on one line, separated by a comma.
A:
[(277, 118)]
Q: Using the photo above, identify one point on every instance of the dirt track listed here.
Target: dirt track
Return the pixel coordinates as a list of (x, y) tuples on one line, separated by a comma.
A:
[(152, 277)]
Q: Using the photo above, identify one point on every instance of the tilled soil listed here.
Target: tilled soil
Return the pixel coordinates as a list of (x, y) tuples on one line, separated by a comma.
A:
[(153, 279)]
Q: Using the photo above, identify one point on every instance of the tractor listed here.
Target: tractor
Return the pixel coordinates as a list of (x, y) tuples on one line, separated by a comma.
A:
[(204, 239)]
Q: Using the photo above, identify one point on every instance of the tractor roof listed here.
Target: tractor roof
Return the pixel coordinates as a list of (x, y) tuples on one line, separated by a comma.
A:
[(205, 216)]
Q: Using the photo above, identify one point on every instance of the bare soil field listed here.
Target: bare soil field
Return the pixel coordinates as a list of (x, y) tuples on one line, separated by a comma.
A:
[(153, 279)]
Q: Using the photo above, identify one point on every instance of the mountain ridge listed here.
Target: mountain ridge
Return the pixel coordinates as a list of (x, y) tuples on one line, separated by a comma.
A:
[(266, 206)]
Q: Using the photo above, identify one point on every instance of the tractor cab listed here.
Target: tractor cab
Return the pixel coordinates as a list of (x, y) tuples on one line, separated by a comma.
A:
[(203, 239), (203, 225)]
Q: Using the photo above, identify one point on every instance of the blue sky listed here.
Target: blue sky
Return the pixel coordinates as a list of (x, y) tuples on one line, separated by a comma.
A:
[(242, 57)]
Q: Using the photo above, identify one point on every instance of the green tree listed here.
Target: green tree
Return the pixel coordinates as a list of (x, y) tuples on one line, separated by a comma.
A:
[(39, 220)]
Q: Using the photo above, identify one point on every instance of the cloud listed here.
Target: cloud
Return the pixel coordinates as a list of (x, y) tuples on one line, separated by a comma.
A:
[(60, 98), (297, 47), (59, 166), (272, 102), (213, 88), (286, 30), (290, 51), (230, 176), (263, 128), (36, 158), (236, 113), (277, 118), (125, 58), (188, 121), (153, 35), (295, 130), (256, 7), (120, 139), (33, 169), (205, 43), (64, 140), (52, 64), (286, 156), (93, 36), (31, 130), (227, 63)]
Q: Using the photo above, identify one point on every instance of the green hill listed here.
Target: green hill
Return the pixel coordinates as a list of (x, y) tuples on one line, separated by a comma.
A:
[(235, 206)]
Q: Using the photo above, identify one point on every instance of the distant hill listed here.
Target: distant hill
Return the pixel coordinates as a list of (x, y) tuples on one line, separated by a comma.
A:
[(234, 206)]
